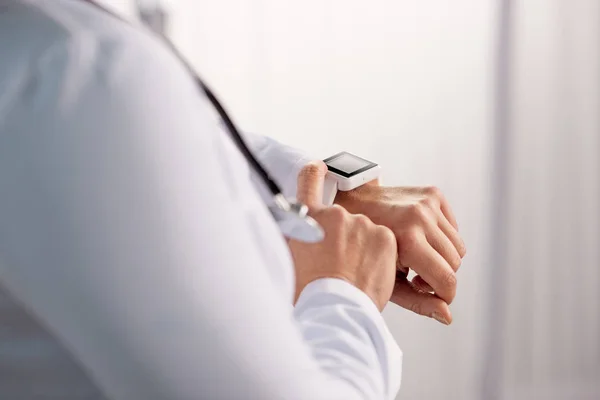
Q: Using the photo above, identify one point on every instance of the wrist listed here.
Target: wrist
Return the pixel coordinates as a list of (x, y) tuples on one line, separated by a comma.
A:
[(355, 200), (347, 172), (340, 287)]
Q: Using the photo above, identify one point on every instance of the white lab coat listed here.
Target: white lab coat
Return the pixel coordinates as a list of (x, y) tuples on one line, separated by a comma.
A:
[(130, 228)]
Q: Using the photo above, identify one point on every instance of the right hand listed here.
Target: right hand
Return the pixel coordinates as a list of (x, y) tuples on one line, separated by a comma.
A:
[(354, 248)]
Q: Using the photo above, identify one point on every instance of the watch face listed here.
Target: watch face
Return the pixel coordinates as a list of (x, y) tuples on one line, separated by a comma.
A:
[(348, 165)]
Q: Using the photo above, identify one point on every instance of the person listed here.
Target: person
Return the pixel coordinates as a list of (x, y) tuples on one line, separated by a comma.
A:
[(132, 231)]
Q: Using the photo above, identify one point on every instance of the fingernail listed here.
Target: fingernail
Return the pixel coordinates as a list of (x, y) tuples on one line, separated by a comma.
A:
[(439, 318)]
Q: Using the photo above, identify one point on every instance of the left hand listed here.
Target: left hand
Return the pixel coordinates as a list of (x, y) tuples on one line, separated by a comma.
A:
[(428, 242)]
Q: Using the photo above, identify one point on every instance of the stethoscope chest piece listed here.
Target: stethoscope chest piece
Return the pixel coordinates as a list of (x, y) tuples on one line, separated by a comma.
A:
[(294, 222)]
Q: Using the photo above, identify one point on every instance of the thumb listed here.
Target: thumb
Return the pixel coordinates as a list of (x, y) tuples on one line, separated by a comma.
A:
[(310, 184), (407, 296)]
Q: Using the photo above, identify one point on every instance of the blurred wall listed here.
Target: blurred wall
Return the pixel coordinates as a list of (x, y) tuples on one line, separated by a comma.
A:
[(545, 334), (406, 83)]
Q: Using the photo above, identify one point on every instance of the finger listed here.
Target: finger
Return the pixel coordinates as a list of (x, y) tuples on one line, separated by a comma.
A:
[(440, 242), (417, 254), (427, 304), (420, 284), (310, 184), (452, 234), (447, 211), (401, 270)]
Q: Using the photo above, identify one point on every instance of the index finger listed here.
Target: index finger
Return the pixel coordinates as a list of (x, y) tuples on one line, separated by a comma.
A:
[(431, 266), (422, 303), (447, 211)]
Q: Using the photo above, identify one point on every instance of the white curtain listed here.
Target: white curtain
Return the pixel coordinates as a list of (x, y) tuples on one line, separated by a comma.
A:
[(545, 330)]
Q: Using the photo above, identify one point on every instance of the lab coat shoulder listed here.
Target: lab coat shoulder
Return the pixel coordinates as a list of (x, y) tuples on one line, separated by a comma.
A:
[(56, 52), (29, 28)]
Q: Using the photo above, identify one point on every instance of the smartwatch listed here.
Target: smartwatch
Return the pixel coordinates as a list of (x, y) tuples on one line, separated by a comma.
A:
[(345, 171)]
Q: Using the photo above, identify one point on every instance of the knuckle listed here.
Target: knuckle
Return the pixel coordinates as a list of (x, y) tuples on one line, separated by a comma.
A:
[(410, 239), (419, 211), (335, 218), (455, 262), (313, 169), (337, 213), (428, 202), (362, 220), (416, 308), (449, 280), (433, 191), (462, 249), (385, 236)]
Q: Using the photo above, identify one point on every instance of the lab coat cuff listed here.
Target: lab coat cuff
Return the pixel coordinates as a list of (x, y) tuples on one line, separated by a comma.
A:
[(331, 291), (343, 290)]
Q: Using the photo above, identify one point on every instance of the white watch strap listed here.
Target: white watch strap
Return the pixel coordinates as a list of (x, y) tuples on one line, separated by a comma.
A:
[(329, 190)]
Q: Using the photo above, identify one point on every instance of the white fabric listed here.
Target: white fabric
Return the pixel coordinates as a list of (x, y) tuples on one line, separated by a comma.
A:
[(130, 228)]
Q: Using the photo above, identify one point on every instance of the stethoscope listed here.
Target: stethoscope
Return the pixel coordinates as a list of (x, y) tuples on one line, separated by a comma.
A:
[(291, 216)]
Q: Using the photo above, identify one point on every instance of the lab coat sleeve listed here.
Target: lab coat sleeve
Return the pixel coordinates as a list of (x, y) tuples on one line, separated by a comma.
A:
[(123, 231), (282, 161)]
